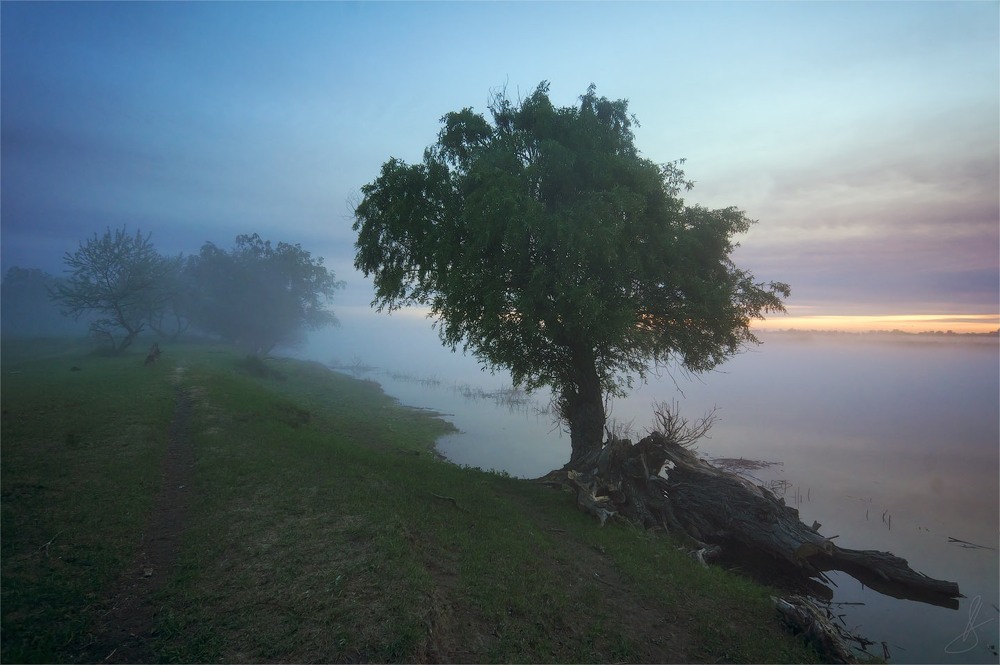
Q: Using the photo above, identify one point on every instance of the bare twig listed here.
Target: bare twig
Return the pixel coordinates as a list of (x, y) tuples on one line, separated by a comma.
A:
[(46, 545), (966, 543), (597, 577), (450, 500), (678, 429)]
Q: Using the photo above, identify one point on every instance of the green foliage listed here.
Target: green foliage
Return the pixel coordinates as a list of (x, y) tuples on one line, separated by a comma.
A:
[(120, 279), (258, 296), (545, 244)]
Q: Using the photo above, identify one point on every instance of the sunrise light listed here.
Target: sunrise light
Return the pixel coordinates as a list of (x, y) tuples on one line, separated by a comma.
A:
[(910, 323)]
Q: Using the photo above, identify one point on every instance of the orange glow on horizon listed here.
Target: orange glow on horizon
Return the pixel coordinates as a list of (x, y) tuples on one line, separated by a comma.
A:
[(911, 323)]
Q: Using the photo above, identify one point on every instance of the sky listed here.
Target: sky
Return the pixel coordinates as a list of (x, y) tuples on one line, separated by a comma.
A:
[(863, 137)]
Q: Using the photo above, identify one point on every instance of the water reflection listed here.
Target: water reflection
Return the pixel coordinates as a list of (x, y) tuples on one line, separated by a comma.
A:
[(498, 428)]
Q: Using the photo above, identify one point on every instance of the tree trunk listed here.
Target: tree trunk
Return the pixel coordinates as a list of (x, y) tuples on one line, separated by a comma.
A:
[(658, 483), (130, 335), (582, 406), (126, 342)]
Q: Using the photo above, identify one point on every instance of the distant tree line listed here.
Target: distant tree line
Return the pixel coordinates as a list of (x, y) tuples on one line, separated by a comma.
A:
[(256, 295)]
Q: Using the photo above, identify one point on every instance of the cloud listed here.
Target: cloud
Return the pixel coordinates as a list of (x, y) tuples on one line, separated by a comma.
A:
[(898, 217)]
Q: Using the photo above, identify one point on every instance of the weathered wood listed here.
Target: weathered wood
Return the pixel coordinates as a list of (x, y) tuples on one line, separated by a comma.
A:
[(805, 618), (660, 484), (600, 507), (890, 575)]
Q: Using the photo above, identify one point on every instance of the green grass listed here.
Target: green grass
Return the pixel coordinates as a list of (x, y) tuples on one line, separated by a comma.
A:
[(316, 530), (81, 454)]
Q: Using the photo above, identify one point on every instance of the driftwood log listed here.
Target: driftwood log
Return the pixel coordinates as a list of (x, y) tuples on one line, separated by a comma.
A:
[(660, 484), (819, 627)]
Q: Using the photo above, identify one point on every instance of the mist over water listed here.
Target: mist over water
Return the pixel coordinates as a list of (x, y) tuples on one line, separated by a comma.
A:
[(891, 443)]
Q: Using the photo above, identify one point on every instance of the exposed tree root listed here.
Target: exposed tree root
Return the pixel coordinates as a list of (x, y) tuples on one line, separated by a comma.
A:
[(660, 484)]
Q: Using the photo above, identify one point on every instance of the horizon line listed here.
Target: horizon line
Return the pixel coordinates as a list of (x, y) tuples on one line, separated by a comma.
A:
[(905, 323)]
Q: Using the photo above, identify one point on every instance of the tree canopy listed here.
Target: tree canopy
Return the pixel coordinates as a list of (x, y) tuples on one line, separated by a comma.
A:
[(547, 245), (258, 296), (119, 278)]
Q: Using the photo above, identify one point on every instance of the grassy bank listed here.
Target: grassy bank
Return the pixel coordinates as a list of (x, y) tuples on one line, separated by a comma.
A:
[(320, 527)]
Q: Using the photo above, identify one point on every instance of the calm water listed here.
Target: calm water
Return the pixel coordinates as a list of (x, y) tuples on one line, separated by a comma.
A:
[(890, 443)]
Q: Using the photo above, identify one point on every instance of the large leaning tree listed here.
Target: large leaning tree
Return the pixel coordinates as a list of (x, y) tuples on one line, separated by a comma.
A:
[(119, 279), (257, 295), (544, 243)]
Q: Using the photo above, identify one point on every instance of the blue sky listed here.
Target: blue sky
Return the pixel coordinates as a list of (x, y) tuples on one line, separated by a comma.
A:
[(864, 137)]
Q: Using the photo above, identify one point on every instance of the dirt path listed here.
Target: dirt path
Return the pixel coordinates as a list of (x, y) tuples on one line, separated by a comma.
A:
[(126, 633)]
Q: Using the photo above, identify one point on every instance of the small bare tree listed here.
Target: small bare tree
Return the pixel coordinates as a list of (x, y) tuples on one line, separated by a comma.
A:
[(119, 277)]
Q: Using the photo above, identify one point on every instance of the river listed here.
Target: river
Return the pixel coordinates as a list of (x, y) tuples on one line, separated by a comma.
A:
[(890, 442)]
